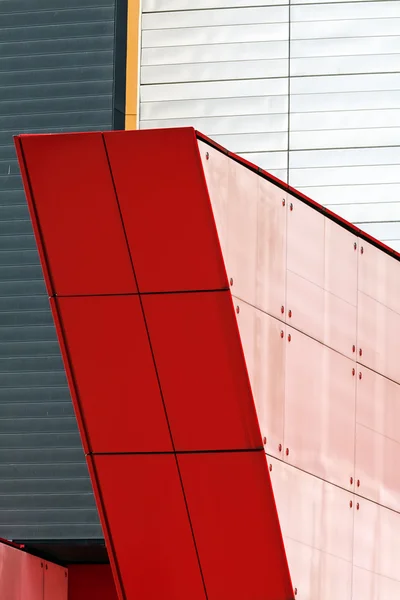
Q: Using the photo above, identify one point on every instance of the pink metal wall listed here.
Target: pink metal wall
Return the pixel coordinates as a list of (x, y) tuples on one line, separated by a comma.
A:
[(26, 577), (319, 314)]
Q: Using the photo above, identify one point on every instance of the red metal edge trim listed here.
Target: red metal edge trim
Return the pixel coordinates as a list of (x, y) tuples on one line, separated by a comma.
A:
[(106, 528), (69, 372), (12, 544), (32, 211), (302, 197)]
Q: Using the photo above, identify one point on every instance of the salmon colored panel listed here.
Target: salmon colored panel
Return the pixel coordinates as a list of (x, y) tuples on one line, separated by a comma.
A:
[(21, 575), (312, 511), (74, 206), (147, 522), (235, 524), (271, 248), (340, 330), (113, 374), (55, 582), (166, 210), (305, 306), (216, 171), (379, 276), (369, 586), (319, 403), (317, 575), (305, 242), (321, 315), (378, 337), (250, 214), (377, 470), (341, 262), (202, 371), (377, 539), (263, 339), (242, 231), (378, 404)]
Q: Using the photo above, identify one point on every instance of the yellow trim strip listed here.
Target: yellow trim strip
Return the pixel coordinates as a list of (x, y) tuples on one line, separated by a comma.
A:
[(132, 65)]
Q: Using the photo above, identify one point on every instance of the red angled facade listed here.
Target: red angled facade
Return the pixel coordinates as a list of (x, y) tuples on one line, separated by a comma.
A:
[(212, 319)]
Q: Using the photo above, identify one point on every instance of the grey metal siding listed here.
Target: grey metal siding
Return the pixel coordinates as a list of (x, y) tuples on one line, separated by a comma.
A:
[(308, 89), (56, 74)]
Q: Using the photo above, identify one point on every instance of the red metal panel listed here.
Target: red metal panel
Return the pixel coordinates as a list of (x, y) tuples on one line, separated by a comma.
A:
[(152, 543), (77, 222), (235, 525), (113, 374), (86, 582), (201, 366), (169, 225), (55, 582)]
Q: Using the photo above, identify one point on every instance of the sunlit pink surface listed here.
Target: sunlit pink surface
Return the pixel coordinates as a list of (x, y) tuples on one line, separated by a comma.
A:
[(318, 310)]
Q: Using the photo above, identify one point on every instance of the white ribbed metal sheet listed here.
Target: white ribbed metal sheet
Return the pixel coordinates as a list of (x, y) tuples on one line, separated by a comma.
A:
[(311, 93)]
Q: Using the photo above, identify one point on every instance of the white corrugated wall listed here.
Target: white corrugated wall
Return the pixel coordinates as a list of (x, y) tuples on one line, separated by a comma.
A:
[(308, 90)]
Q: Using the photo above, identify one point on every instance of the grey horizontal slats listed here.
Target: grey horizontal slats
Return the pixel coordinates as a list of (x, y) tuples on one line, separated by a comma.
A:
[(56, 74)]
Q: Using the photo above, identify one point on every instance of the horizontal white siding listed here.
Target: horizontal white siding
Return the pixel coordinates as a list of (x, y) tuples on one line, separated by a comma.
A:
[(322, 111)]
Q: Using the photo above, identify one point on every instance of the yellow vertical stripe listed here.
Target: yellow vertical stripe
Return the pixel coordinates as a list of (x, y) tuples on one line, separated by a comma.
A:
[(132, 65)]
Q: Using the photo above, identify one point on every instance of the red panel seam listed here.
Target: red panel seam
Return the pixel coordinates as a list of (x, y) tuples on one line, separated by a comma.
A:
[(156, 371)]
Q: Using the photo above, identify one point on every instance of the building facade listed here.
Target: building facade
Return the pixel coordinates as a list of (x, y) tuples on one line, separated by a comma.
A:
[(309, 91)]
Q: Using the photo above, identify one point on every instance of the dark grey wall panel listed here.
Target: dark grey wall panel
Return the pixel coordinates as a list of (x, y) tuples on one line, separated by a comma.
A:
[(56, 74)]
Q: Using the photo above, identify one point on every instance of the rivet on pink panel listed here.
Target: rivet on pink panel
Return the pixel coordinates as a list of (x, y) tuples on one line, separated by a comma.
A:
[(340, 325), (373, 321), (378, 404), (246, 323), (216, 171), (393, 344), (379, 276), (377, 539), (312, 511), (340, 262), (318, 575), (264, 346), (242, 231), (271, 248), (305, 306), (305, 241), (55, 582), (377, 468), (369, 586), (320, 401)]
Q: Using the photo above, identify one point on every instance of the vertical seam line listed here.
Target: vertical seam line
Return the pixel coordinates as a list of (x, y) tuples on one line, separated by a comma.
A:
[(156, 371)]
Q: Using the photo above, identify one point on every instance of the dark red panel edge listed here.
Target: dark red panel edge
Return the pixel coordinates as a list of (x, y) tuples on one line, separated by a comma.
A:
[(302, 197), (32, 211), (69, 372), (106, 529)]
